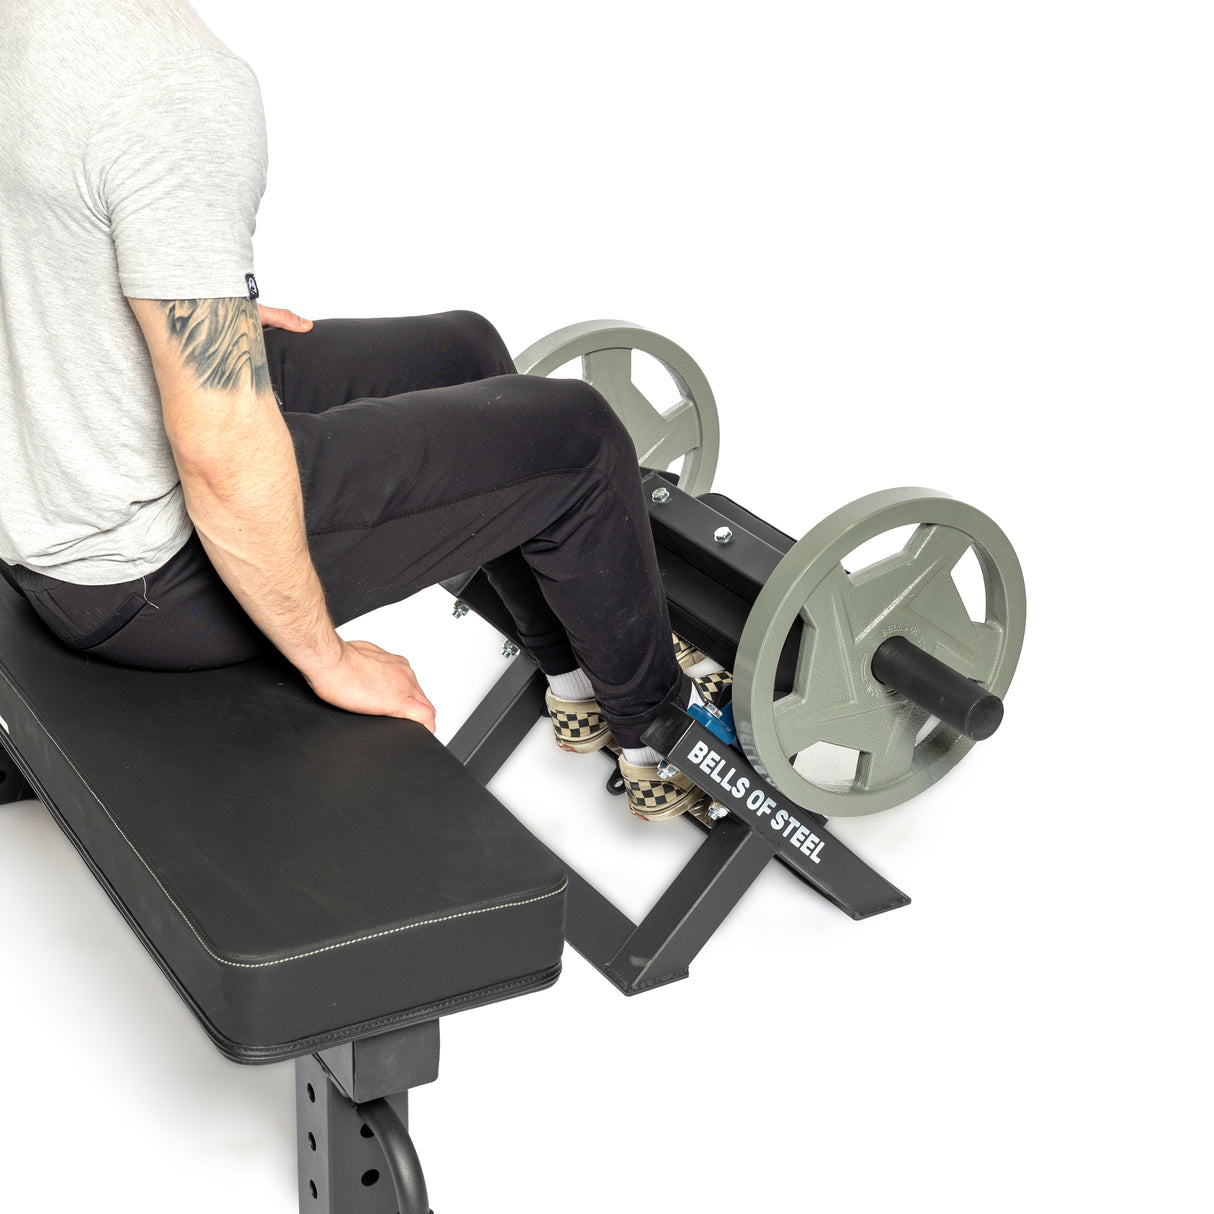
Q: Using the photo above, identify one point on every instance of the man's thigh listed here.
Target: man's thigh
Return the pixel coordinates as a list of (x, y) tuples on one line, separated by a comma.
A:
[(404, 491), (182, 617), (342, 360)]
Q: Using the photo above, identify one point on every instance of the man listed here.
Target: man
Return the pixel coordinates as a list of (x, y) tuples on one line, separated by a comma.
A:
[(161, 510)]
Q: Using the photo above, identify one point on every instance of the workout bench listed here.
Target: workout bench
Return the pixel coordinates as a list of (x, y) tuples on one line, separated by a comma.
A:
[(323, 886), (316, 885)]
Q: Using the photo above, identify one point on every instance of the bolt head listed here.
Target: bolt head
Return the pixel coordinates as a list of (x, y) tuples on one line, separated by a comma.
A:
[(667, 771), (717, 811), (723, 535), (660, 496)]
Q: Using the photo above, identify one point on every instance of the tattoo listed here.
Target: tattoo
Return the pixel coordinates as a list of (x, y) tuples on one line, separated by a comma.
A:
[(220, 341)]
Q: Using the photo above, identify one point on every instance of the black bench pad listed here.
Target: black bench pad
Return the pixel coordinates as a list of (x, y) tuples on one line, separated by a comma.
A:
[(303, 875)]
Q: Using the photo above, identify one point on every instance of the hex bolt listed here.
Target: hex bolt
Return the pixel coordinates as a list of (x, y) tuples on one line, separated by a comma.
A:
[(717, 811), (722, 535), (667, 771), (460, 609), (509, 649), (660, 496)]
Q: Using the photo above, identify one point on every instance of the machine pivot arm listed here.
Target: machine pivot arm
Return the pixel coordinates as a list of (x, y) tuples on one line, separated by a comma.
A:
[(797, 836)]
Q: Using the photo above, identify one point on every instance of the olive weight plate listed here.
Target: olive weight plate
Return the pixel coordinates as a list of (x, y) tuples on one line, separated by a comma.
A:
[(835, 702), (686, 430)]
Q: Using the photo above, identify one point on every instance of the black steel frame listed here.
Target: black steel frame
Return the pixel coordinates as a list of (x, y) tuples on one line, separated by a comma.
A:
[(637, 957), (352, 1113), (709, 587)]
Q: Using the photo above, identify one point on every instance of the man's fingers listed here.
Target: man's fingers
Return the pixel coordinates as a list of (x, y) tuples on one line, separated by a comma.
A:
[(280, 318), (417, 706), (421, 711)]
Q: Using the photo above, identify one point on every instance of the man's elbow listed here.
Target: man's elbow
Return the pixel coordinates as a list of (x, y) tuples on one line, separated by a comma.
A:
[(218, 447), (206, 464)]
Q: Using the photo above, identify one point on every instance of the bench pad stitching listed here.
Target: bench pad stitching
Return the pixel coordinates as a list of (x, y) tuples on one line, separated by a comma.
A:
[(391, 931)]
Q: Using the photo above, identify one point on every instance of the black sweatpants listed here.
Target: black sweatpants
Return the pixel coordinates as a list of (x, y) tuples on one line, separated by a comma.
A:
[(422, 455)]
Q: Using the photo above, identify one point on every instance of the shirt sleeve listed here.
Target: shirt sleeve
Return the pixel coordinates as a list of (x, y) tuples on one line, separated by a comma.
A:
[(177, 166)]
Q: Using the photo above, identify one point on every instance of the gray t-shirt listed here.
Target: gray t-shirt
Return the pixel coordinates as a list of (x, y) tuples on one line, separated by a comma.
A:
[(132, 163)]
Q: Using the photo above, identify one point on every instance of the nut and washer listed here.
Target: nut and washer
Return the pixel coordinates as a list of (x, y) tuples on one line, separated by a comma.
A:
[(460, 609), (667, 771), (717, 811), (509, 649)]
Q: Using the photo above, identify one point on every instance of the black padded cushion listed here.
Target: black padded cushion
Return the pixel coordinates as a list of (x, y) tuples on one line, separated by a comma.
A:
[(303, 875)]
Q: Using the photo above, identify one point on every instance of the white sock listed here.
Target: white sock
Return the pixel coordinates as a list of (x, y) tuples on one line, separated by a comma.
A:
[(646, 756), (571, 686)]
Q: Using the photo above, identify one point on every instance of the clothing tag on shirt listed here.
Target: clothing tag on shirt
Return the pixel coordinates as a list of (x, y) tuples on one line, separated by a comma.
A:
[(251, 283)]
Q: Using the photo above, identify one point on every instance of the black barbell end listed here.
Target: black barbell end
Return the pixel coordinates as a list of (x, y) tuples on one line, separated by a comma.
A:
[(959, 702)]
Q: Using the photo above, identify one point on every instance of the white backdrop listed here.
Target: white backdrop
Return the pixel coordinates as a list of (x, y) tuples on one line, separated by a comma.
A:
[(957, 245)]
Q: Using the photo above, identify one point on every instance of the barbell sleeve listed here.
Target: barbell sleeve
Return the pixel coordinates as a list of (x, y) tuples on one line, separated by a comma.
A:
[(959, 702)]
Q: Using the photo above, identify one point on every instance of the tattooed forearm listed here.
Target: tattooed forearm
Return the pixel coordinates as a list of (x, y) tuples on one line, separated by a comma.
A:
[(220, 341)]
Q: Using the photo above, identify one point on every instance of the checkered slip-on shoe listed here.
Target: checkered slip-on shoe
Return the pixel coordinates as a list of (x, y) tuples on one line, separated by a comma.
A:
[(579, 725), (716, 688), (658, 800), (685, 653)]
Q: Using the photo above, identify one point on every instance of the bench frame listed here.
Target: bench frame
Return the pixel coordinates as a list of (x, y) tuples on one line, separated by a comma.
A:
[(354, 1152), (352, 1117)]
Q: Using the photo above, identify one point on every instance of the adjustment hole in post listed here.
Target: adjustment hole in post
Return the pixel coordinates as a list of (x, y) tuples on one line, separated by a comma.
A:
[(366, 1131), (312, 1141), (312, 1188), (311, 1093), (369, 1178)]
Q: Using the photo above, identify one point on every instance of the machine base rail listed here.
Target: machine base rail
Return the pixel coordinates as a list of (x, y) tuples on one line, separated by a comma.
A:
[(794, 835), (637, 957)]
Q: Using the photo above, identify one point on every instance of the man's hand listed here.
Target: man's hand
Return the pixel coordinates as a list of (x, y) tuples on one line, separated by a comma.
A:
[(280, 318), (365, 678)]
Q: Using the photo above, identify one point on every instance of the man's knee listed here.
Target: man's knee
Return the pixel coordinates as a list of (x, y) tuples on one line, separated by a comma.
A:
[(481, 344), (593, 427), (607, 424)]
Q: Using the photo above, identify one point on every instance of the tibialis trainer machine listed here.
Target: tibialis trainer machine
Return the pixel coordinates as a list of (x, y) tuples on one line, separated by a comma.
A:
[(325, 887), (868, 659)]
